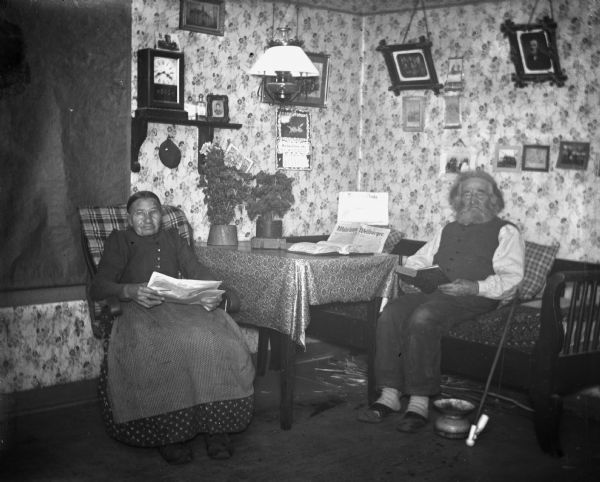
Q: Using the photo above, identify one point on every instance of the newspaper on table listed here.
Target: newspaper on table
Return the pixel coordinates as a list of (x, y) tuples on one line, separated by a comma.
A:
[(187, 291), (347, 238)]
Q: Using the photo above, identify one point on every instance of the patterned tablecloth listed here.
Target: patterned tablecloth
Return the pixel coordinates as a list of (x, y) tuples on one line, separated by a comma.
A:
[(277, 287)]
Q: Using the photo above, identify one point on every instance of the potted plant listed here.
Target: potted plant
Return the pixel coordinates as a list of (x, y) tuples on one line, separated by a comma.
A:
[(271, 196), (225, 188)]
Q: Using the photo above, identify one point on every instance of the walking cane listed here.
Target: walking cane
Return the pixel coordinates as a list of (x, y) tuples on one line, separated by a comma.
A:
[(482, 419)]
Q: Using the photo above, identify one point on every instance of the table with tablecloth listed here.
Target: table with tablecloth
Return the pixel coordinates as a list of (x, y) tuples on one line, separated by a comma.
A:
[(277, 287)]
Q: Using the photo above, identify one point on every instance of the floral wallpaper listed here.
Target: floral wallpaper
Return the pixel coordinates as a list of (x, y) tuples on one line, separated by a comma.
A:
[(359, 134), (218, 65), (47, 344), (559, 206), (357, 139)]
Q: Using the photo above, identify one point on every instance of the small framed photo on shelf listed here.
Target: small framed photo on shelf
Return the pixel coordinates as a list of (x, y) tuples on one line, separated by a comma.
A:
[(452, 112), (573, 155), (217, 108), (204, 16), (508, 158), (536, 158), (413, 113)]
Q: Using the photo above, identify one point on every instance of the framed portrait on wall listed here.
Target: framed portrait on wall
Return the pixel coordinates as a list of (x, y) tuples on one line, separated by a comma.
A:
[(204, 16), (410, 66), (413, 113), (293, 144), (452, 112), (313, 90), (536, 158), (533, 52), (508, 158), (573, 155)]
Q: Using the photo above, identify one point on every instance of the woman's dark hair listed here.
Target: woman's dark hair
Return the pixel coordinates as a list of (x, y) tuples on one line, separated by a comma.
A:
[(142, 195), (497, 199)]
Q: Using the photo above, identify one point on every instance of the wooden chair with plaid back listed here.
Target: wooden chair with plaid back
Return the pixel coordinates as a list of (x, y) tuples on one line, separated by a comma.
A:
[(96, 225)]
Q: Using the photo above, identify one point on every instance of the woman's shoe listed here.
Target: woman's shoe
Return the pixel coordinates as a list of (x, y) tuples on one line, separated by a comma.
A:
[(176, 454), (219, 446)]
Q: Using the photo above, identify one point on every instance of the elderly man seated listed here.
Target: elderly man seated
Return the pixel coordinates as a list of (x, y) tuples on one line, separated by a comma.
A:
[(483, 257)]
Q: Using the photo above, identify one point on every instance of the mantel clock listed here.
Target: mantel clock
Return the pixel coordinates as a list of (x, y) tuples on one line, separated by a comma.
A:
[(160, 83)]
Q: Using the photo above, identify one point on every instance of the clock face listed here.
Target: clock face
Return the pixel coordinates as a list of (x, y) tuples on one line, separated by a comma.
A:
[(166, 79), (166, 71)]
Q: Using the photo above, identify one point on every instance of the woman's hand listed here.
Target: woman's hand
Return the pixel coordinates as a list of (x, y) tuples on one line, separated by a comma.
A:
[(211, 303), (142, 295), (460, 287)]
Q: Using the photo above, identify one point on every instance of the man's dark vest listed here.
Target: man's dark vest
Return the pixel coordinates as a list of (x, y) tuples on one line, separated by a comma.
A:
[(467, 251)]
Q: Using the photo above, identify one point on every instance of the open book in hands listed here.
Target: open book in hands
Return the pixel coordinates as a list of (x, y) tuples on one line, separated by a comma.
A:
[(187, 291), (426, 279), (347, 238)]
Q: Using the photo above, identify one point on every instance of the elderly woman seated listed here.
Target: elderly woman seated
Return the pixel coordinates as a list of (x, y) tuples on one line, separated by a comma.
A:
[(172, 370)]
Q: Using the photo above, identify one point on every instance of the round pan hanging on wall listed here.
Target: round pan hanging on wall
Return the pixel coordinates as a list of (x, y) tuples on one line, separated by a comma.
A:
[(169, 154)]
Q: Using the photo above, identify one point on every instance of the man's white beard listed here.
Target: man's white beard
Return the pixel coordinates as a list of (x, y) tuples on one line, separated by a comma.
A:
[(474, 215)]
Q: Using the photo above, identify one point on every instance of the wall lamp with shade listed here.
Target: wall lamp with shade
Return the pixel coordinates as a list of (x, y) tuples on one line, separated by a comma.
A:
[(285, 66)]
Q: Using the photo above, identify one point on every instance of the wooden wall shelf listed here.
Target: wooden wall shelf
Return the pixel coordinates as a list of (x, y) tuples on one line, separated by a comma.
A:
[(139, 131)]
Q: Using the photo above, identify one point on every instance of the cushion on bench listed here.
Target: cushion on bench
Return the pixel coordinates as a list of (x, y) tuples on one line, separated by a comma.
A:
[(487, 328), (538, 262)]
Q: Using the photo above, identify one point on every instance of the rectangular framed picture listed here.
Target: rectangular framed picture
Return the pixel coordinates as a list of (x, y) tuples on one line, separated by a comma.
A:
[(293, 144), (217, 108), (536, 158), (454, 79), (413, 113), (234, 157), (204, 16), (573, 155), (508, 158), (456, 159), (410, 66), (452, 112), (313, 91), (534, 52)]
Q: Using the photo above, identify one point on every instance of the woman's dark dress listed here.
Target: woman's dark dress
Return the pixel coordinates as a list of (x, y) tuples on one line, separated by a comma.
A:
[(174, 370)]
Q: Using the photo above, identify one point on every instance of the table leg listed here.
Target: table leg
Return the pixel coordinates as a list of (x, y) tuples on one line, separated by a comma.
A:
[(372, 315), (287, 379)]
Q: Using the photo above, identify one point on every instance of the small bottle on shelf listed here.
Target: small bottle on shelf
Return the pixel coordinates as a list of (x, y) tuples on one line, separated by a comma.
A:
[(201, 108)]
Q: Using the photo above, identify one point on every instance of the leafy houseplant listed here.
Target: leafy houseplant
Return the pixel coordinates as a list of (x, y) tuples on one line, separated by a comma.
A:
[(224, 187), (270, 196)]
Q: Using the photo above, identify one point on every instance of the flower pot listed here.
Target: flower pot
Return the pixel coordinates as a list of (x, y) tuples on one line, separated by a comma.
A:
[(222, 235), (268, 229)]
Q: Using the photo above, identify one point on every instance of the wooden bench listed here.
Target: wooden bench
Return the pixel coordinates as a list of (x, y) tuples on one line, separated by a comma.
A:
[(552, 348)]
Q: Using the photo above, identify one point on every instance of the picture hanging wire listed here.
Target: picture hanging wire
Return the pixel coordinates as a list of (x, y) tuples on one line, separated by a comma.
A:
[(535, 6), (415, 8)]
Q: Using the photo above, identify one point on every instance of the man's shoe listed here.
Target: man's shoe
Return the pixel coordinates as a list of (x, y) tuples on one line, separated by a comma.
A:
[(375, 413), (412, 423)]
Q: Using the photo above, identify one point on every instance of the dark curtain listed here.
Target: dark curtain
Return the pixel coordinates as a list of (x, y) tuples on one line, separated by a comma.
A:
[(65, 131)]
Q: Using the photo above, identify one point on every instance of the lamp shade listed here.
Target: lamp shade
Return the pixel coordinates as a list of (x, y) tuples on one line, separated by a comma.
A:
[(284, 58)]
